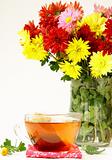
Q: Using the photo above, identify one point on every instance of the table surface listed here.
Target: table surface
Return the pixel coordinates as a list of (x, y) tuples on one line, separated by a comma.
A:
[(106, 155)]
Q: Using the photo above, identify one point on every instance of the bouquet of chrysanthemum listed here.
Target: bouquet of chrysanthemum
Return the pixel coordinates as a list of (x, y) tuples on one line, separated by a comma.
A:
[(68, 41), (81, 47)]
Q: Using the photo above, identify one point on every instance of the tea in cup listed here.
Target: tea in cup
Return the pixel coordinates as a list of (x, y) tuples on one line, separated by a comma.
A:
[(53, 132)]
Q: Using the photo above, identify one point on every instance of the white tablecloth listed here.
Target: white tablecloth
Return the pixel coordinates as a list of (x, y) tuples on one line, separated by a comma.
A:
[(106, 155)]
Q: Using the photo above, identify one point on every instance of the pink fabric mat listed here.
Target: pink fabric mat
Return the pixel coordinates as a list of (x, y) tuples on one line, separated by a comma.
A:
[(72, 153)]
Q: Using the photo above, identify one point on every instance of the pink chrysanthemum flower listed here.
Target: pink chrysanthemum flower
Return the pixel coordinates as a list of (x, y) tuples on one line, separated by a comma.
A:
[(78, 8), (67, 19), (108, 12), (99, 9)]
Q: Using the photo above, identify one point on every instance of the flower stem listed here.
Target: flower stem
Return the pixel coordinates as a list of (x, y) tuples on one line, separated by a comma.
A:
[(102, 134), (52, 56)]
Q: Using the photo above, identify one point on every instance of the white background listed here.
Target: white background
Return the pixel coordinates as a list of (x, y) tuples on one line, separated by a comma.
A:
[(25, 86)]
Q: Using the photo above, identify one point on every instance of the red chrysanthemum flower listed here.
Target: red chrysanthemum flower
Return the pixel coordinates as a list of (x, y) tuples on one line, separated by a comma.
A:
[(56, 40), (108, 30), (48, 22), (33, 30), (49, 15), (94, 44), (106, 47), (57, 8), (87, 35)]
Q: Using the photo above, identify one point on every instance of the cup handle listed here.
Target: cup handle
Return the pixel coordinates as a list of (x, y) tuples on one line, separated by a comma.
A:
[(21, 134)]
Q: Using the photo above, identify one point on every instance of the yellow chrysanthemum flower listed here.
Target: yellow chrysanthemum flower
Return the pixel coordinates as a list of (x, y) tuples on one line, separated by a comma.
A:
[(78, 50), (95, 21), (24, 37), (100, 65), (38, 40), (71, 69), (35, 49)]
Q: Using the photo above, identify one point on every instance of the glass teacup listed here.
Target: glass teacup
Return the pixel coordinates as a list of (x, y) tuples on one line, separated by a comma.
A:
[(53, 132)]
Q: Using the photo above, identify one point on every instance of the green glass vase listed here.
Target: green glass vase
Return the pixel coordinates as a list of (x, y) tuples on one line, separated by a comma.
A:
[(93, 98)]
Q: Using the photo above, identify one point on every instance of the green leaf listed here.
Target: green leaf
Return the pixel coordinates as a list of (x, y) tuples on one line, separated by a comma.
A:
[(54, 66), (7, 142), (66, 78), (85, 129), (92, 149), (21, 147), (43, 62), (75, 85), (84, 92)]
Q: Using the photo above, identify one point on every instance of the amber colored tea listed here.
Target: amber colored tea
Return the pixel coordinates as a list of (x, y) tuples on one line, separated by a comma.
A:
[(53, 136)]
